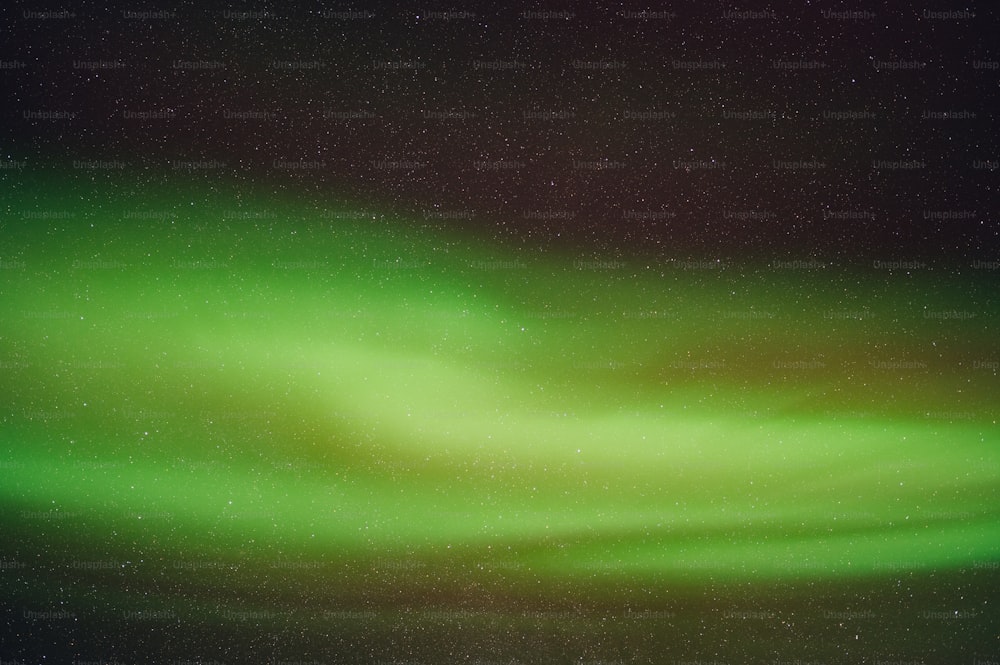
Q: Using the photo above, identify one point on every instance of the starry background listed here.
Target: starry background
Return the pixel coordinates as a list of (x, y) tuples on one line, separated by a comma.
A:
[(474, 334)]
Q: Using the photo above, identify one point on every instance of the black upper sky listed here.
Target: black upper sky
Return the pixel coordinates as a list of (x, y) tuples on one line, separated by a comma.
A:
[(533, 121)]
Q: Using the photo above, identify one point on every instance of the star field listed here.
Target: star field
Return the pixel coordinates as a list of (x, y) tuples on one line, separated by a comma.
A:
[(475, 334)]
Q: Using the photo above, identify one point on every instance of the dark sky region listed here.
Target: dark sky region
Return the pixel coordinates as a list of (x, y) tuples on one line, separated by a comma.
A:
[(700, 129)]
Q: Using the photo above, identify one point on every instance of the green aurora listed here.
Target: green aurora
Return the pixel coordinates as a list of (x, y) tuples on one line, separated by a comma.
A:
[(221, 384)]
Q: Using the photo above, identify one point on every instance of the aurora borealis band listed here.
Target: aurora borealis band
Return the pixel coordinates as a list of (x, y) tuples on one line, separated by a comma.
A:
[(484, 335), (372, 414)]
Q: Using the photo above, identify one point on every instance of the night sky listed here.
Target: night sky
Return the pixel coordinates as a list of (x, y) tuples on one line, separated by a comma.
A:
[(471, 334)]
